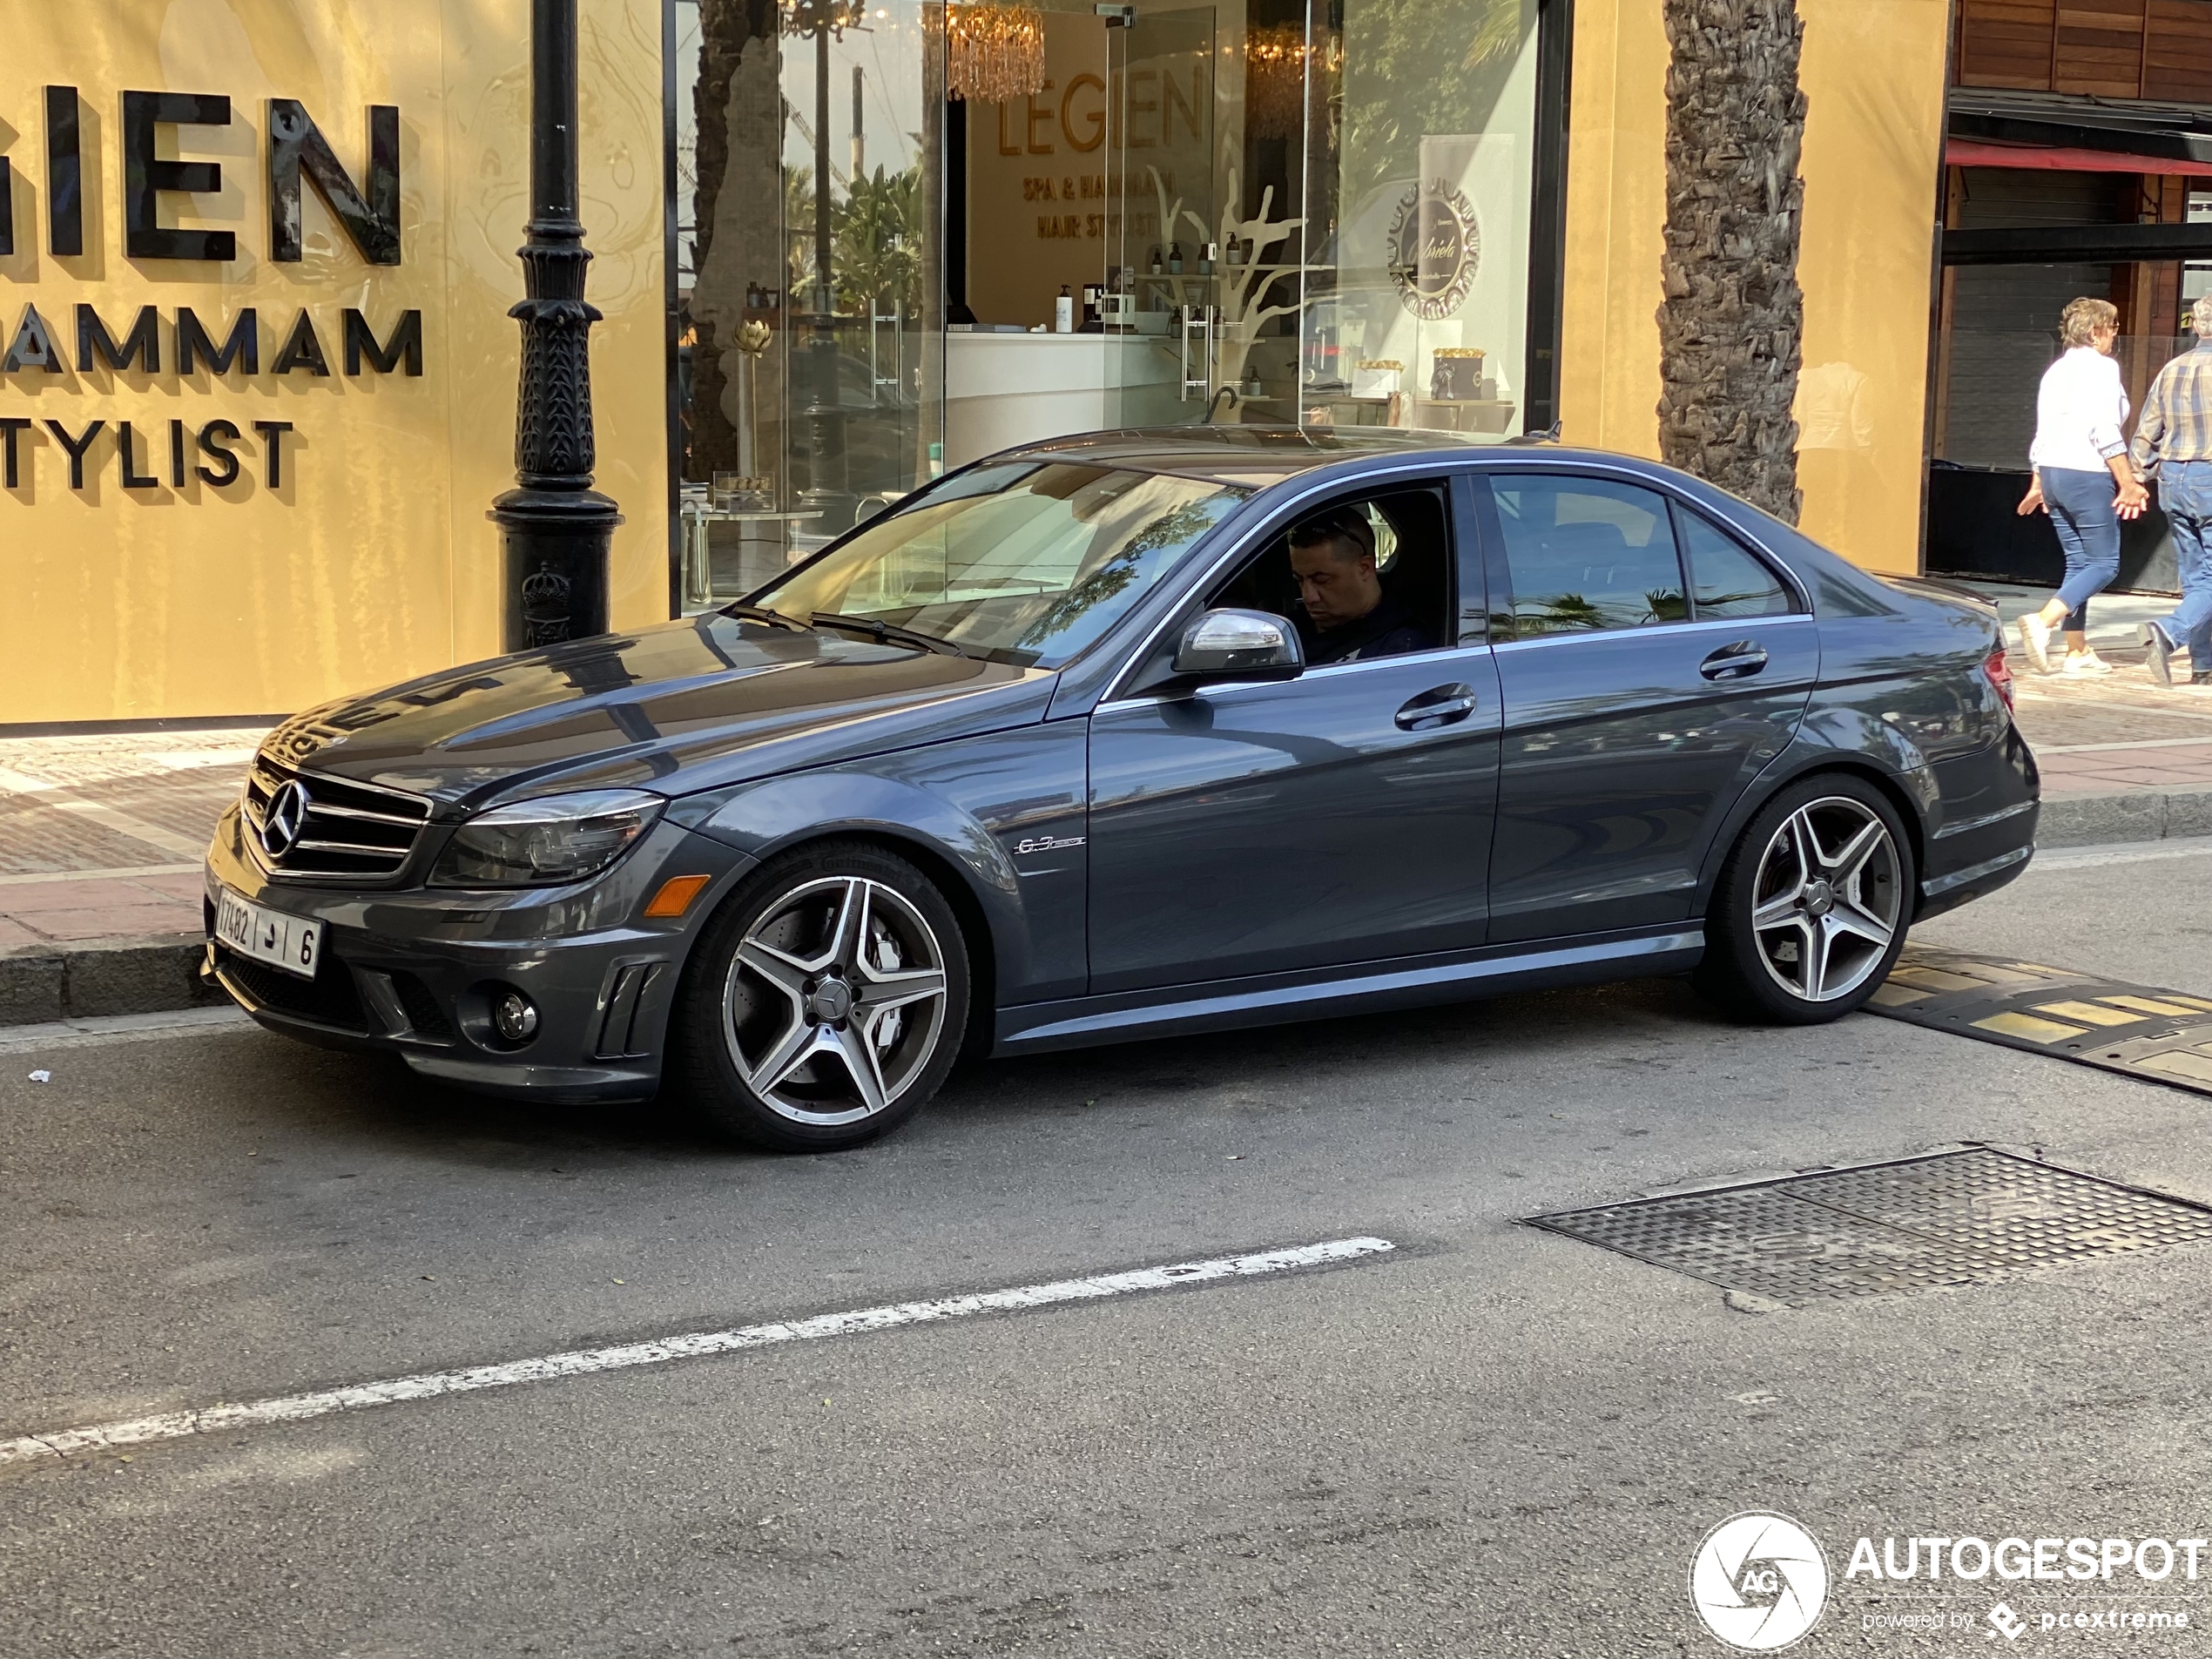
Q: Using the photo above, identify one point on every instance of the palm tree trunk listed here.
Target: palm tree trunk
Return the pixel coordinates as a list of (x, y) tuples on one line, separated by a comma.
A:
[(1731, 326)]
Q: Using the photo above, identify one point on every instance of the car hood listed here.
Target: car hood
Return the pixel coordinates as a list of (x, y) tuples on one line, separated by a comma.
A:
[(682, 707)]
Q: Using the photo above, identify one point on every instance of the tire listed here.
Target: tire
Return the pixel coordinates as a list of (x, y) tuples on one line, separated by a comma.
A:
[(826, 1001), (1812, 907)]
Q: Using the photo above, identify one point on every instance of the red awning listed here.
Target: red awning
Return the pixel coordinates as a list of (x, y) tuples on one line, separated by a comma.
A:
[(1984, 152)]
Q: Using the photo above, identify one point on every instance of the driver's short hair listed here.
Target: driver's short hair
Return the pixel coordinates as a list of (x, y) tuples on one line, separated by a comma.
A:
[(1337, 524)]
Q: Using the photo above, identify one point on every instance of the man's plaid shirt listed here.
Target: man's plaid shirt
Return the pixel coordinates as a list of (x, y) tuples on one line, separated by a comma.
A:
[(2176, 422)]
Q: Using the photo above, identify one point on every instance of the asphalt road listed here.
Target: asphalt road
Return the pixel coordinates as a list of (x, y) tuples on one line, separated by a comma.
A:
[(1489, 1441)]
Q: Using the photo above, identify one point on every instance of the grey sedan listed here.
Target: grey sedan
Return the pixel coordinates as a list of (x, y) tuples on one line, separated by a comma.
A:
[(1133, 734)]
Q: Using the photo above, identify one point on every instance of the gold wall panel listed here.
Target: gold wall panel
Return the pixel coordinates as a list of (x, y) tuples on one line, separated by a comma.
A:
[(372, 561), (1873, 75)]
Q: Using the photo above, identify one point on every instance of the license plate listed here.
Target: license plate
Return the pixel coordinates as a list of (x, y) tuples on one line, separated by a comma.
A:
[(291, 943)]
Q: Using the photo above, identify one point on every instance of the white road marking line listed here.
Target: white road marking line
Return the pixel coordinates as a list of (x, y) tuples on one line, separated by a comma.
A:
[(292, 1408)]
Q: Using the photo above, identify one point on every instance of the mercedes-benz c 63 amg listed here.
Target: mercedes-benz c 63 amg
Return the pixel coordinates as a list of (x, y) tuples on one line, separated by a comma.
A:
[(1126, 735)]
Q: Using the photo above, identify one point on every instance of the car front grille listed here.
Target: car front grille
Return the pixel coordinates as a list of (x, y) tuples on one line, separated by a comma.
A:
[(326, 829)]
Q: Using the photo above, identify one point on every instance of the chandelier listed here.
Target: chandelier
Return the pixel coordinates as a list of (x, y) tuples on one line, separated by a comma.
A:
[(994, 53), (820, 17), (1277, 60)]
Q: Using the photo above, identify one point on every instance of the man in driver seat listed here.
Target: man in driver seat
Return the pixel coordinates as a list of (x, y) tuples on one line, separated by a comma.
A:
[(1332, 555)]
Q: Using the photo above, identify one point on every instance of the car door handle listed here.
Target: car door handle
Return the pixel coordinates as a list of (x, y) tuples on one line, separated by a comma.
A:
[(1441, 705), (1737, 662)]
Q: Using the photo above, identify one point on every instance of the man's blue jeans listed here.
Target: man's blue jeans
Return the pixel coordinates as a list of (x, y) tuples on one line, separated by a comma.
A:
[(2185, 493)]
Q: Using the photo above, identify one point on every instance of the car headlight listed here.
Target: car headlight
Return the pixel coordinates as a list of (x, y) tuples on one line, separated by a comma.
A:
[(544, 842)]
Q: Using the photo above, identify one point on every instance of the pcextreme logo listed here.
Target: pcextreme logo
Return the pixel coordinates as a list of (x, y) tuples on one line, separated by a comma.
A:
[(1759, 1581)]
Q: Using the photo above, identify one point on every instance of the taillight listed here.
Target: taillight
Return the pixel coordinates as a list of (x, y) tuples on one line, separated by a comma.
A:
[(1998, 672)]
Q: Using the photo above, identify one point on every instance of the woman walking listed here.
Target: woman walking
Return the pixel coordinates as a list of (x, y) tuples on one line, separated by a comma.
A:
[(2082, 479)]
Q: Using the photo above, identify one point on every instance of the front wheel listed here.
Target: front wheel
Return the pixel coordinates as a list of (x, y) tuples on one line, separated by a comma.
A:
[(825, 1002), (1812, 907)]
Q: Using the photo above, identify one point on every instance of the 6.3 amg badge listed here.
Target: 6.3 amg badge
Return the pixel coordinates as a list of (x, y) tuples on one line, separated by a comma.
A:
[(1435, 248)]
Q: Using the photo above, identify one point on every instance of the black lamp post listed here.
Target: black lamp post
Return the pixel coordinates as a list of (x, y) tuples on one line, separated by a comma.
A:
[(554, 529)]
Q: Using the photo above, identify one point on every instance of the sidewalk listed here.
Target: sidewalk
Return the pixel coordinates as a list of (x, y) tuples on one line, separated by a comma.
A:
[(101, 836), (100, 845), (2123, 759)]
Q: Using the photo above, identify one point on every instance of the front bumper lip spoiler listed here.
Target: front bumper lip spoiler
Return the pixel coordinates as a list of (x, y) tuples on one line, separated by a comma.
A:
[(510, 1078)]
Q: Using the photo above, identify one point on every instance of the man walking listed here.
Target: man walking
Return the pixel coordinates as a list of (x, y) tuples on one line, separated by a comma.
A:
[(2174, 444)]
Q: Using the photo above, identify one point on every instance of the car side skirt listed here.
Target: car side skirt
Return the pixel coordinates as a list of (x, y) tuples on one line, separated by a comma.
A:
[(1408, 982)]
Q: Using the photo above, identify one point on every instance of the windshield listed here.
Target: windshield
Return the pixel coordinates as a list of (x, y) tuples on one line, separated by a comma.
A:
[(1026, 563)]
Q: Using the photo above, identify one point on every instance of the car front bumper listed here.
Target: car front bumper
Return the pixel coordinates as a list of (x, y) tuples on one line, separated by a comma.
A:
[(415, 971)]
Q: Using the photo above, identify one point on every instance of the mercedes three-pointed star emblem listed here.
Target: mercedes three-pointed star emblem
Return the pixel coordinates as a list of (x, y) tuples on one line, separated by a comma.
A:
[(287, 818)]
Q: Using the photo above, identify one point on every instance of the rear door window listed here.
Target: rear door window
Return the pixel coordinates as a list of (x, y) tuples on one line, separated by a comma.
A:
[(1726, 578), (1587, 555)]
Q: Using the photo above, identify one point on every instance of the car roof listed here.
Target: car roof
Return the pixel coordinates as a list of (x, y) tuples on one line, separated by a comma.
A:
[(1257, 456), (1252, 456)]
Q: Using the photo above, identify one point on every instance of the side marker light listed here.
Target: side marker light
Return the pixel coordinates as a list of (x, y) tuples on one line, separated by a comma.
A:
[(676, 895)]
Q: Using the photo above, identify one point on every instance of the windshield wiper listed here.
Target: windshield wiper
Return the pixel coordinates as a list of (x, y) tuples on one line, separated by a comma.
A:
[(761, 613), (884, 631)]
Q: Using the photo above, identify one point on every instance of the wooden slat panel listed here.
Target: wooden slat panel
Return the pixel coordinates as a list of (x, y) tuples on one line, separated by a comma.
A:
[(2101, 14), (2090, 87), (2178, 58)]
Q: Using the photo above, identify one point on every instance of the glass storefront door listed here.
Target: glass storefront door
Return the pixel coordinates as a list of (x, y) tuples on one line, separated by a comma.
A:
[(809, 285), (1417, 202), (1283, 212)]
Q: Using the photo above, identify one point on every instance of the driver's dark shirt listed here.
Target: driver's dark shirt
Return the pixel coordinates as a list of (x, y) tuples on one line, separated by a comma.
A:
[(1387, 631)]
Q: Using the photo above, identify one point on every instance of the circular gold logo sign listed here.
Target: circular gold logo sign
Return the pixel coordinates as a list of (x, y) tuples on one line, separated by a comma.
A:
[(1435, 248)]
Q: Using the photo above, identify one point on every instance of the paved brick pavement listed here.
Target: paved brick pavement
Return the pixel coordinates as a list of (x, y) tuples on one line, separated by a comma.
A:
[(101, 836)]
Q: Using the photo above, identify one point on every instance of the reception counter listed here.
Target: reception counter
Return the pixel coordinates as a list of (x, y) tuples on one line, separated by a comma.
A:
[(1005, 389)]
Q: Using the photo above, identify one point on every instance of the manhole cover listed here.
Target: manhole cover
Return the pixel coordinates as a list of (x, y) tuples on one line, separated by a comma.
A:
[(1951, 1218)]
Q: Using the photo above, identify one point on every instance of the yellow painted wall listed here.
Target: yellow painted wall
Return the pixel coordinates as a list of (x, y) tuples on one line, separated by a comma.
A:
[(374, 560), (1616, 205), (1873, 75)]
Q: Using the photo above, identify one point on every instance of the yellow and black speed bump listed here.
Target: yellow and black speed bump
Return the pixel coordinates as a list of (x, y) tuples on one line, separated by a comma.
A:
[(2161, 1037)]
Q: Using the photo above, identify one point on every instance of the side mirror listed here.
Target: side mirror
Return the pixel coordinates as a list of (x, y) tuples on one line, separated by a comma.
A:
[(1243, 644)]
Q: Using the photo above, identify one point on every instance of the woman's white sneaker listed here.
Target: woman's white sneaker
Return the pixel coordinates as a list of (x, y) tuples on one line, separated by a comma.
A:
[(2084, 665), (2035, 640)]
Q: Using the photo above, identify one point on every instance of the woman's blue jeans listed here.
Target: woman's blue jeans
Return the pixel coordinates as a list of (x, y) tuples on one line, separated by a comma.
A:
[(2080, 507)]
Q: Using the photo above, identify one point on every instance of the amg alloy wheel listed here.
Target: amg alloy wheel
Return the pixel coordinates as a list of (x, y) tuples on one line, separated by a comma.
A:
[(1812, 905), (826, 1003)]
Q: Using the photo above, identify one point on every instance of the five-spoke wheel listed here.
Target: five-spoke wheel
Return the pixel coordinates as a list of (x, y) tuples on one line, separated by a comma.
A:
[(1812, 904), (827, 1001)]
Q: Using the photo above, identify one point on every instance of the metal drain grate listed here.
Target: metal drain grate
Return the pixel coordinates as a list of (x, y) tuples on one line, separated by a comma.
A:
[(2138, 1031), (1951, 1218)]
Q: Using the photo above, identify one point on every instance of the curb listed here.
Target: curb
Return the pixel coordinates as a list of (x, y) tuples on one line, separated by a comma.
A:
[(102, 977), (2144, 815)]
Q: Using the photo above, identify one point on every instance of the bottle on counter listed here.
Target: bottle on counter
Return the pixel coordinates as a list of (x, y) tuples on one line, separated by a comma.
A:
[(1063, 312), (1156, 259), (1175, 259)]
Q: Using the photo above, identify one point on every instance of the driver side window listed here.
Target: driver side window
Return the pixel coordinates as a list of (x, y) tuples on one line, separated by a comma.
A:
[(1361, 578)]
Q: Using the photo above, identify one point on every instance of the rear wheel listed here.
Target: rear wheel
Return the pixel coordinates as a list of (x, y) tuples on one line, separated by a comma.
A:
[(826, 1003), (1812, 904)]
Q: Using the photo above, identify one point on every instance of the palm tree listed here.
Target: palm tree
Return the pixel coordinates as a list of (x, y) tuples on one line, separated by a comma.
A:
[(1732, 323), (879, 229)]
